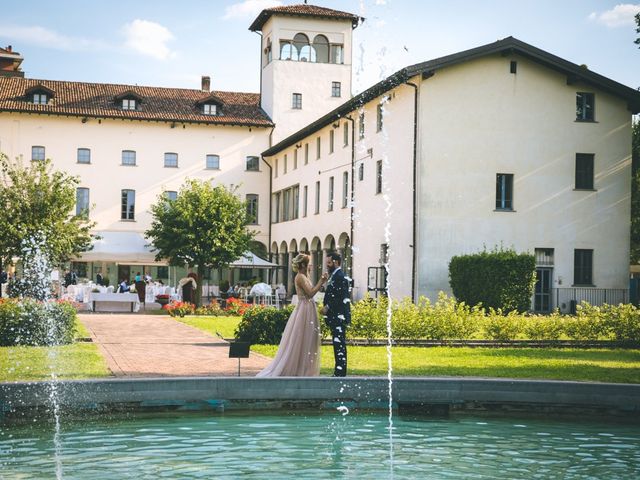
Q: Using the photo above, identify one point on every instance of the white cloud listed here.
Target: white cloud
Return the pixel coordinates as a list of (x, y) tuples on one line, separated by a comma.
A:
[(148, 38), (43, 37), (249, 8), (619, 16)]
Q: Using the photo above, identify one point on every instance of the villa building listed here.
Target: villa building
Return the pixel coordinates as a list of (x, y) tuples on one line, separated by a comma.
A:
[(501, 145)]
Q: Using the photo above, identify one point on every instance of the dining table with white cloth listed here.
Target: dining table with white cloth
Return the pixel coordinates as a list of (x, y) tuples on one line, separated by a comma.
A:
[(115, 302)]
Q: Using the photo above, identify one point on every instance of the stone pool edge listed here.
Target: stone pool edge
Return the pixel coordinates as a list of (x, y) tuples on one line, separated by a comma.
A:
[(437, 395)]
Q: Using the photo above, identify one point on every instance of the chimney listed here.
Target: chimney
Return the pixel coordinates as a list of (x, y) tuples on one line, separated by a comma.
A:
[(206, 84), (9, 48)]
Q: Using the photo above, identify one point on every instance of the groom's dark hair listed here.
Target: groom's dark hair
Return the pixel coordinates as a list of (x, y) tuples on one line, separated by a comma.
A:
[(335, 256)]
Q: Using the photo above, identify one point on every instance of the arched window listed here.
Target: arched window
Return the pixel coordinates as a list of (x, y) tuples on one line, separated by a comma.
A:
[(288, 51), (321, 47), (300, 41)]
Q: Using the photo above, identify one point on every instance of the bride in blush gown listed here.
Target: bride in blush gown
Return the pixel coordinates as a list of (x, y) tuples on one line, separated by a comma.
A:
[(299, 351)]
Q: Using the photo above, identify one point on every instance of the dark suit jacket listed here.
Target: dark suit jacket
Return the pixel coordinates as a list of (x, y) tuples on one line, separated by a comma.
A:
[(337, 300)]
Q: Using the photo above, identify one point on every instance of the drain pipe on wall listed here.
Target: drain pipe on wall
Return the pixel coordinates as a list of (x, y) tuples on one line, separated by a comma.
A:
[(414, 247), (353, 184)]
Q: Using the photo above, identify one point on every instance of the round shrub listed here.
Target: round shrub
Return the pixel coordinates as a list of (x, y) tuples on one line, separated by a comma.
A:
[(263, 325)]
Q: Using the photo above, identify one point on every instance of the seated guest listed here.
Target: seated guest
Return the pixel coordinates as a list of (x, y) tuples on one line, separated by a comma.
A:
[(123, 287)]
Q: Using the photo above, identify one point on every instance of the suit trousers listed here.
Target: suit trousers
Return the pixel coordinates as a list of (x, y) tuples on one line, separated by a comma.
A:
[(339, 340)]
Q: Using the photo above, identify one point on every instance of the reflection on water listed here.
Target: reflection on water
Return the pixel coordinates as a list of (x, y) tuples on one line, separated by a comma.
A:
[(328, 445)]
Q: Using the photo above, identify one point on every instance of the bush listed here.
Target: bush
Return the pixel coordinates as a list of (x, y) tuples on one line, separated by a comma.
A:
[(179, 309), (623, 322), (503, 327), (236, 307), (369, 318), (213, 309), (263, 325), (500, 279), (588, 323), (538, 327), (29, 322)]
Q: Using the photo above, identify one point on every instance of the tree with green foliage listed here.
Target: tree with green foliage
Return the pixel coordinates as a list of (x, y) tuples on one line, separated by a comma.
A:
[(38, 202), (635, 195), (637, 41), (501, 278), (204, 226)]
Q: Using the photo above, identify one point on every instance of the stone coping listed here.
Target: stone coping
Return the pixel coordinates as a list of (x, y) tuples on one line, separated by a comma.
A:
[(366, 392)]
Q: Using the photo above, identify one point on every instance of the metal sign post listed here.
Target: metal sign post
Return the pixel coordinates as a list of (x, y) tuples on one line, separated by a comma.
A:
[(239, 350)]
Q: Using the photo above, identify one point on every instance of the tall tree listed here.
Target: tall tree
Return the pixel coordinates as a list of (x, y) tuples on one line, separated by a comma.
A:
[(38, 202), (637, 41), (635, 194), (204, 226)]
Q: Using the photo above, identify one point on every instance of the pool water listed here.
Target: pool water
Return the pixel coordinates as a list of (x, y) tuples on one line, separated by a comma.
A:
[(311, 445)]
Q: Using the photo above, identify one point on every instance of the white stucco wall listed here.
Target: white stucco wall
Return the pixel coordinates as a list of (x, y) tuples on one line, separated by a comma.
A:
[(477, 120), (106, 177)]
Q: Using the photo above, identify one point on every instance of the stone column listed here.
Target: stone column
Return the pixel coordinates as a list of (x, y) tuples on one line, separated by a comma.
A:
[(289, 284)]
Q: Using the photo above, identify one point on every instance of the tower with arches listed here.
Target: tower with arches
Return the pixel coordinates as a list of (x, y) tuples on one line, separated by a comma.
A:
[(305, 63)]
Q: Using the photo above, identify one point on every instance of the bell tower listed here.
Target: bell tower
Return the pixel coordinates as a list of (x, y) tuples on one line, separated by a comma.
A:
[(306, 54)]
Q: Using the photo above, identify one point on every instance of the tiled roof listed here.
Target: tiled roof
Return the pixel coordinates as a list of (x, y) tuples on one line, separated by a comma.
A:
[(302, 11), (157, 104)]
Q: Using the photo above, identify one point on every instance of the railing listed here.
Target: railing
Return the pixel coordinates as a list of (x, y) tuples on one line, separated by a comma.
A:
[(566, 299)]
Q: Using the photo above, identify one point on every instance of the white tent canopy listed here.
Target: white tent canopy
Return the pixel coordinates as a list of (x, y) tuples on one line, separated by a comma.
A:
[(251, 260), (129, 248)]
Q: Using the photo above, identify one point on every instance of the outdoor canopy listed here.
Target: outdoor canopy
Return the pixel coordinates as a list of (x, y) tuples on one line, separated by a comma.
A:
[(129, 248), (251, 260)]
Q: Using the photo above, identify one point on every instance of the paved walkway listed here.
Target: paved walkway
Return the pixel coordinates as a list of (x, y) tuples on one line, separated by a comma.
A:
[(157, 346)]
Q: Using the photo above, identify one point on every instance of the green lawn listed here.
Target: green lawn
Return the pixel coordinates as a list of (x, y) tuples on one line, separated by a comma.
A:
[(226, 326), (601, 365)]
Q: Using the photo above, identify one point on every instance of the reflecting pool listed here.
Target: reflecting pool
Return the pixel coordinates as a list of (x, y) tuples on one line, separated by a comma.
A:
[(310, 445)]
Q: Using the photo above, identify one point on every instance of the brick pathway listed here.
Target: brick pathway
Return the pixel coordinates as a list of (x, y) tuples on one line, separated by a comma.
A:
[(136, 345)]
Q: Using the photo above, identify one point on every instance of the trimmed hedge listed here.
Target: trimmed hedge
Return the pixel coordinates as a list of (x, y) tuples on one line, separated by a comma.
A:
[(500, 278), (29, 322), (263, 325)]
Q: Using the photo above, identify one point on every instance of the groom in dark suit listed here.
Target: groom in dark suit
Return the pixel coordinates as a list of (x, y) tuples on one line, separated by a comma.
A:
[(337, 311)]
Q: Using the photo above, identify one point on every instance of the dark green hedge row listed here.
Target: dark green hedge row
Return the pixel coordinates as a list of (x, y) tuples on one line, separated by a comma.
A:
[(500, 278)]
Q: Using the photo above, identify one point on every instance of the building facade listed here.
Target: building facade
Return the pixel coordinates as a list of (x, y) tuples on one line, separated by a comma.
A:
[(504, 145)]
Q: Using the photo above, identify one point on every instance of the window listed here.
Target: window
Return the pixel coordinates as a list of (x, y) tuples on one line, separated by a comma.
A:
[(275, 170), (275, 207), (171, 160), (128, 157), (82, 202), (582, 267), (301, 44), (171, 195), (288, 51), (585, 107), (336, 54), (321, 48), (317, 207), (345, 189), (379, 176), (331, 140), (37, 153), (286, 163), (296, 101), (584, 171), (128, 103), (305, 192), (504, 191), (128, 205), (286, 204), (361, 172), (268, 51), (295, 158), (345, 134), (253, 164), (295, 196), (361, 126), (336, 89), (40, 98), (318, 150), (252, 208), (210, 109), (213, 162), (84, 155), (380, 115), (544, 256), (306, 153), (330, 194)]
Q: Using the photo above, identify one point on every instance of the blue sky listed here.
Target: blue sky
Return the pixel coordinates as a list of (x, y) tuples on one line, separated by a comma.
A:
[(172, 44)]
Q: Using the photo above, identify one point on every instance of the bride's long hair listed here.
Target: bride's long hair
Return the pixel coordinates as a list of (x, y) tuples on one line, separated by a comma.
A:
[(301, 259)]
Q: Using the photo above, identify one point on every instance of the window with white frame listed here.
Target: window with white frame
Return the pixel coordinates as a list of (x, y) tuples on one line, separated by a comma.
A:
[(330, 197), (82, 202), (253, 164), (306, 153), (37, 153), (336, 89), (252, 208), (296, 101), (128, 205), (295, 158), (345, 189), (318, 150), (213, 162), (210, 109), (128, 157), (83, 155), (305, 200), (171, 160), (129, 103), (40, 98), (317, 205), (286, 163)]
